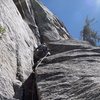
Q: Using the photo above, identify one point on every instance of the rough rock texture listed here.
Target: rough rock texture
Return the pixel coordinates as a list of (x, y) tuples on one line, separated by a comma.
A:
[(23, 32), (16, 48), (72, 71), (71, 75), (66, 45), (50, 28), (46, 25)]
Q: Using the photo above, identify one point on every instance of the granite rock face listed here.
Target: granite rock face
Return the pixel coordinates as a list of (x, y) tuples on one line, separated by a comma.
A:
[(50, 28), (71, 72), (46, 25), (16, 48), (71, 75), (22, 34)]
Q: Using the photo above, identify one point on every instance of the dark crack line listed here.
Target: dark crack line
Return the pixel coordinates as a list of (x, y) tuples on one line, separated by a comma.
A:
[(30, 88), (64, 58)]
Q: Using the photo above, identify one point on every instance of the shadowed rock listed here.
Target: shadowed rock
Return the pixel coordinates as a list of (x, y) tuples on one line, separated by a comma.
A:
[(30, 90)]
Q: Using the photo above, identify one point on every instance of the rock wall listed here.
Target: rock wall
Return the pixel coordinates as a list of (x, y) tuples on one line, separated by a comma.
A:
[(16, 48), (50, 28), (27, 23), (71, 75), (46, 25), (72, 71)]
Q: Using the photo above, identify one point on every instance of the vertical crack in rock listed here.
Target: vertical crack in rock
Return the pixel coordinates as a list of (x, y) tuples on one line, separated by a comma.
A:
[(19, 6), (27, 13), (44, 24), (50, 28), (30, 89), (19, 71)]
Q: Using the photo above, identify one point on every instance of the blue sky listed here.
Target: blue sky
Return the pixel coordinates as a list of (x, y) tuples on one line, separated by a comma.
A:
[(74, 12)]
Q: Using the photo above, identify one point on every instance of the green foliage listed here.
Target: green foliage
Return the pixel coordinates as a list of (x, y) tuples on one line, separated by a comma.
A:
[(2, 31), (88, 34)]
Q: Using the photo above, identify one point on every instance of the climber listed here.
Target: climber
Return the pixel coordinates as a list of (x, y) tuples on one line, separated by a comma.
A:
[(40, 53)]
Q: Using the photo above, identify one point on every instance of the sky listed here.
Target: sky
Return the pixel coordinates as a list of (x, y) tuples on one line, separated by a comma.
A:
[(74, 12)]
